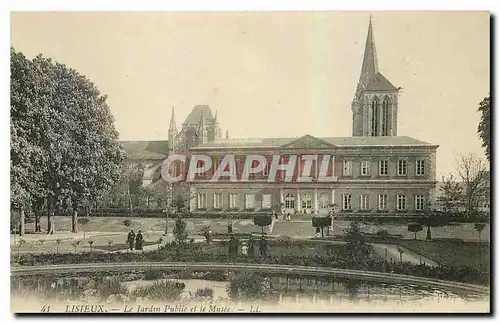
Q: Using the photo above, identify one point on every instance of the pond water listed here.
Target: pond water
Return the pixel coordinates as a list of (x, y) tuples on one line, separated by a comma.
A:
[(303, 295)]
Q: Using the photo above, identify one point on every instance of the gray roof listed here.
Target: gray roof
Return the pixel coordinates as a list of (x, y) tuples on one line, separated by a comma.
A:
[(146, 149), (334, 141), (195, 115)]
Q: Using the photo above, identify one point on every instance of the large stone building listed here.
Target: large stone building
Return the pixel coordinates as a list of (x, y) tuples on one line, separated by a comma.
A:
[(373, 171)]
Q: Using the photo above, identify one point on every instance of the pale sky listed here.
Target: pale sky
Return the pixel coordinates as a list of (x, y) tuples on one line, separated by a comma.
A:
[(274, 74)]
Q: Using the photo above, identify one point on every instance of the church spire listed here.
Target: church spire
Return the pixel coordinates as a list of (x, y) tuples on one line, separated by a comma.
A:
[(172, 132), (172, 121), (227, 134), (370, 62), (202, 131)]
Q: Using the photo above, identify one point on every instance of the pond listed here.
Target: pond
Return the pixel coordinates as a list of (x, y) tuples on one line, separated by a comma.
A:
[(292, 294)]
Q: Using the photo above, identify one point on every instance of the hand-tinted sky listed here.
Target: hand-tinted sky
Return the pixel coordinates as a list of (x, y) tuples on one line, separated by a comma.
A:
[(273, 74)]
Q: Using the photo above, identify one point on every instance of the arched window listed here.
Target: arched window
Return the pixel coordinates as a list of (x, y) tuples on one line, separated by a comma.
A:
[(375, 116), (289, 201), (385, 117)]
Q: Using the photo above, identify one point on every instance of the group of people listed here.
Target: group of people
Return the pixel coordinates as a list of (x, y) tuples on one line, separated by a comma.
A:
[(137, 238), (281, 216)]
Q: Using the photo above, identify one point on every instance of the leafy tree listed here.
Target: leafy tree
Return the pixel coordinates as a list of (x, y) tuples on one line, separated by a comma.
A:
[(451, 197), (180, 234), (62, 138), (322, 223), (415, 227), (355, 250), (475, 176), (483, 128), (262, 221)]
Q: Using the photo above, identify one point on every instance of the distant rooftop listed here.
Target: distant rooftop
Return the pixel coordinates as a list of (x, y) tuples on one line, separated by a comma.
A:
[(333, 141)]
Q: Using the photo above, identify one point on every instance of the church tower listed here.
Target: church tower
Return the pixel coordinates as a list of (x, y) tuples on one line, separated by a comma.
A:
[(172, 133), (375, 104)]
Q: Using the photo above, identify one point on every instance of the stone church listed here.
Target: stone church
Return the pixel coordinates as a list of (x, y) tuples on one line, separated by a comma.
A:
[(375, 170)]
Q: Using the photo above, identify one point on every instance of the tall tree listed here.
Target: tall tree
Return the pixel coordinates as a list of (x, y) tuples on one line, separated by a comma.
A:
[(27, 156), (451, 195), (474, 172), (62, 138), (483, 128)]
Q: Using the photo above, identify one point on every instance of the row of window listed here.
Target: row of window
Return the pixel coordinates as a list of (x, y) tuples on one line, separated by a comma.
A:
[(306, 201), (383, 167), (217, 201), (364, 202)]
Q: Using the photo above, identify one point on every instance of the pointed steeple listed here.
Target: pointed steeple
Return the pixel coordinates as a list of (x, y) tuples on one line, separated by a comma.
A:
[(369, 68), (202, 130), (172, 121), (227, 134), (172, 132), (215, 118)]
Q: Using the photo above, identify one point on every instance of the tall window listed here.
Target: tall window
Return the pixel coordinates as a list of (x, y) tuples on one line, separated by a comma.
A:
[(290, 201), (347, 168), (402, 167), (232, 201), (364, 202), (266, 201), (249, 201), (375, 117), (306, 201), (346, 198), (420, 167), (382, 202), (419, 202), (385, 117), (202, 200), (383, 168), (217, 201), (365, 168), (401, 202)]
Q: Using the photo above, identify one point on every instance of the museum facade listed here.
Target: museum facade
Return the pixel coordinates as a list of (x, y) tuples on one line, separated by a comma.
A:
[(372, 171)]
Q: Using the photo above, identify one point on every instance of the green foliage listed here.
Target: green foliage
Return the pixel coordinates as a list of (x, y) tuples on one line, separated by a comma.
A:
[(415, 227), (205, 292), (484, 126), (180, 234), (262, 220), (356, 250), (451, 196), (64, 146), (110, 286), (161, 290), (127, 222), (250, 287)]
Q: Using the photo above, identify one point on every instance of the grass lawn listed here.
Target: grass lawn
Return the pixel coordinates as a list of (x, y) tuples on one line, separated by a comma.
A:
[(451, 253), (121, 246)]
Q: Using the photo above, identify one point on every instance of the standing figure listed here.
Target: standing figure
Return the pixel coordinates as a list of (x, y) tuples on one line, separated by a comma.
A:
[(244, 249), (275, 215), (251, 246), (229, 228), (130, 239), (263, 247), (288, 217), (138, 241)]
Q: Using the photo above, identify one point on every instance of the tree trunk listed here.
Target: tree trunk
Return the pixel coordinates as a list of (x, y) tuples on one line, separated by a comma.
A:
[(22, 224), (129, 201), (37, 222), (74, 220), (49, 218)]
